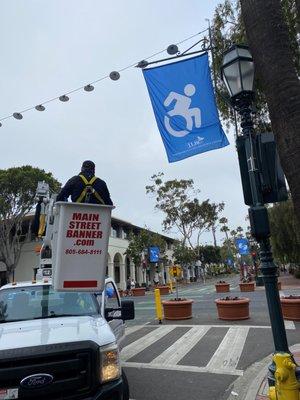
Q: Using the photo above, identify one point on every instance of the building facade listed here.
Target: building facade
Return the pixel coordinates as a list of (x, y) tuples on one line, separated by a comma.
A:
[(119, 266)]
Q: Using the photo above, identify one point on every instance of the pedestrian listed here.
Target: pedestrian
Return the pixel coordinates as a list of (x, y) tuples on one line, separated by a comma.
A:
[(128, 286), (86, 187), (132, 284)]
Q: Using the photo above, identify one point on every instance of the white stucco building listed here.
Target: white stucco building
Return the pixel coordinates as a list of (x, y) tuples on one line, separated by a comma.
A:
[(120, 267)]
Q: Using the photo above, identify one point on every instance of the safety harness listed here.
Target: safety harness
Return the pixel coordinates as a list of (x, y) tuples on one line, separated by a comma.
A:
[(88, 190)]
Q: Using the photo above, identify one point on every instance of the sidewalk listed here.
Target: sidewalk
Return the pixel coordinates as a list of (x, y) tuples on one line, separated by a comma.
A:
[(253, 385)]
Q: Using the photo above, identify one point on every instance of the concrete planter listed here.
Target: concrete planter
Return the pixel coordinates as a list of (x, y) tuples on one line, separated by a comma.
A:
[(163, 290), (138, 291), (177, 309), (222, 287), (247, 287), (233, 309), (291, 307)]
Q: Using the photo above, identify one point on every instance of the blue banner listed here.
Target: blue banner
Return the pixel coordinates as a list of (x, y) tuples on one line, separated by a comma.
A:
[(184, 106), (154, 254), (242, 246)]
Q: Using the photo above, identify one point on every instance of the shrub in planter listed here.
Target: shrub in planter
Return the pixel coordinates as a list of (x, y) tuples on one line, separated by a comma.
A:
[(177, 309), (222, 287), (290, 307), (233, 308)]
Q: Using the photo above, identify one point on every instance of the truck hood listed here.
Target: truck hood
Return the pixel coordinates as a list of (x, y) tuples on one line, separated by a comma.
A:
[(55, 330)]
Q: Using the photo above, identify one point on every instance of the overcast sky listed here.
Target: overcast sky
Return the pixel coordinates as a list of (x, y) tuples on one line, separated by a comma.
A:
[(51, 47)]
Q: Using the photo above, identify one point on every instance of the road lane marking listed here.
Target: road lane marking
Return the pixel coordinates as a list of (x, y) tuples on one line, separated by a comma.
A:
[(229, 351), (173, 354), (185, 368), (139, 345), (134, 328)]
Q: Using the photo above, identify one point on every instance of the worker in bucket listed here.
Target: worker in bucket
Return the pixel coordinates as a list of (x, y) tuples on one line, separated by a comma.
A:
[(86, 187)]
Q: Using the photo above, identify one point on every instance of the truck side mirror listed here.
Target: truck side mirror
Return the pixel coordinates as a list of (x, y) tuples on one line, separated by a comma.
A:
[(127, 307)]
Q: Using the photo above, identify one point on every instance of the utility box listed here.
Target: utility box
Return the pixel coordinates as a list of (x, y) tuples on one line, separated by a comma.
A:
[(80, 246), (271, 177)]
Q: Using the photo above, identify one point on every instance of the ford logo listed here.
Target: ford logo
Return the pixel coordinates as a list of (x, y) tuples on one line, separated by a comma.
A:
[(36, 381)]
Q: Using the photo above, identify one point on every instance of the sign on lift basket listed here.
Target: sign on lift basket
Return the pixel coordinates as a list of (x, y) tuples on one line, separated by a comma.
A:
[(80, 244)]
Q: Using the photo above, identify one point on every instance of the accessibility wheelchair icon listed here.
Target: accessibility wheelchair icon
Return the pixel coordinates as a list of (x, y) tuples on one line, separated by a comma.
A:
[(182, 108)]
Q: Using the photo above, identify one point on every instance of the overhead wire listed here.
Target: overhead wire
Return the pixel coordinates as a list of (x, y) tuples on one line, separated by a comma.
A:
[(19, 113)]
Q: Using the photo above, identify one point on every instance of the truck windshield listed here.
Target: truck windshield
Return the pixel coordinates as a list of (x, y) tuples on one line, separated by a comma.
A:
[(27, 303)]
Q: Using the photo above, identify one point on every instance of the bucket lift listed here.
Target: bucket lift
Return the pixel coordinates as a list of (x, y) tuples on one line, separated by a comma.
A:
[(75, 242)]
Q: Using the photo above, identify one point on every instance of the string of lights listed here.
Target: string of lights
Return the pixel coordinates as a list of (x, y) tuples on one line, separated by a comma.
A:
[(114, 75)]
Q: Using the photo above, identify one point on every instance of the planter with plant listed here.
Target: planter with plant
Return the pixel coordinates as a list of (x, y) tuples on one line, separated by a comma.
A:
[(178, 308), (222, 287), (247, 285), (163, 289), (290, 307), (233, 308), (138, 291)]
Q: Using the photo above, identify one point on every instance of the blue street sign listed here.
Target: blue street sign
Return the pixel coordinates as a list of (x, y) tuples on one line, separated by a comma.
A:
[(242, 246), (154, 254), (184, 106)]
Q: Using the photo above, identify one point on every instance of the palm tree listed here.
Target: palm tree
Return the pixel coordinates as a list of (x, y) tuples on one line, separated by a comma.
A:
[(268, 38)]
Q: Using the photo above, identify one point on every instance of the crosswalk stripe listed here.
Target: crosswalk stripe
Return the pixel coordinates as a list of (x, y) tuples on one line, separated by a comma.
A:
[(145, 341), (131, 329), (185, 368), (173, 354), (228, 353)]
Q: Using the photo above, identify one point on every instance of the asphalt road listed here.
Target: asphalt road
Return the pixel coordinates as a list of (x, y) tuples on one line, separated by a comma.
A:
[(198, 358)]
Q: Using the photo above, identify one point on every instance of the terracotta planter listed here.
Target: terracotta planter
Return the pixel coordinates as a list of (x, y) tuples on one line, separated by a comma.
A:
[(177, 309), (279, 285), (247, 287), (232, 310), (290, 308), (222, 287), (138, 291), (163, 290)]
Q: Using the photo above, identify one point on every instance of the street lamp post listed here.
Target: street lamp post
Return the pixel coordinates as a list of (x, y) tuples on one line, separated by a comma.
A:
[(238, 75)]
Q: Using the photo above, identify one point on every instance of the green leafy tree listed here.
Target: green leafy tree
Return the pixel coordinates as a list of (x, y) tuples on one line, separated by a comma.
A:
[(285, 230), (17, 198), (139, 243), (217, 209), (210, 254), (271, 29), (183, 254), (177, 200)]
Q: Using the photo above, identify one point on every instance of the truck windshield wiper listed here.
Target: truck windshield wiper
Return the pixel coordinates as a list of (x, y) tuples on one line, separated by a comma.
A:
[(57, 316)]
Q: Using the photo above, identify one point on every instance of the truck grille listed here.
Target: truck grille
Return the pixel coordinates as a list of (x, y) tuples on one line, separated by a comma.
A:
[(73, 367)]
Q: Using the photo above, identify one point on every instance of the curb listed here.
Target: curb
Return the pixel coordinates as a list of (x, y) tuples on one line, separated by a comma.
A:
[(247, 386)]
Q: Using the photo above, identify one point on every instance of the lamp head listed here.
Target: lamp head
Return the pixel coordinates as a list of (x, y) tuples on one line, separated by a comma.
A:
[(237, 72)]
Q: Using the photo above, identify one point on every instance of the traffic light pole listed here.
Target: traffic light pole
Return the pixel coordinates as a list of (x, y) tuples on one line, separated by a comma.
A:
[(260, 230)]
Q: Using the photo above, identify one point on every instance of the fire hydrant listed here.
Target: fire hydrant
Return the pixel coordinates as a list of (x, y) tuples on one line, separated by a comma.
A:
[(286, 385)]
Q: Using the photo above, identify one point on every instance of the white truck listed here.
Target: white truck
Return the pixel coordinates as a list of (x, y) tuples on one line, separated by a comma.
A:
[(61, 339), (62, 345)]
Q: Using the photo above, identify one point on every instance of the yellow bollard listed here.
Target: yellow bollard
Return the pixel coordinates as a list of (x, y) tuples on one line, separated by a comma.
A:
[(158, 307), (286, 385)]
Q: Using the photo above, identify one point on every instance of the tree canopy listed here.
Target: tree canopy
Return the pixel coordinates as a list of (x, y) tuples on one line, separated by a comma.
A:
[(285, 232), (17, 198), (228, 28), (178, 200), (140, 243)]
